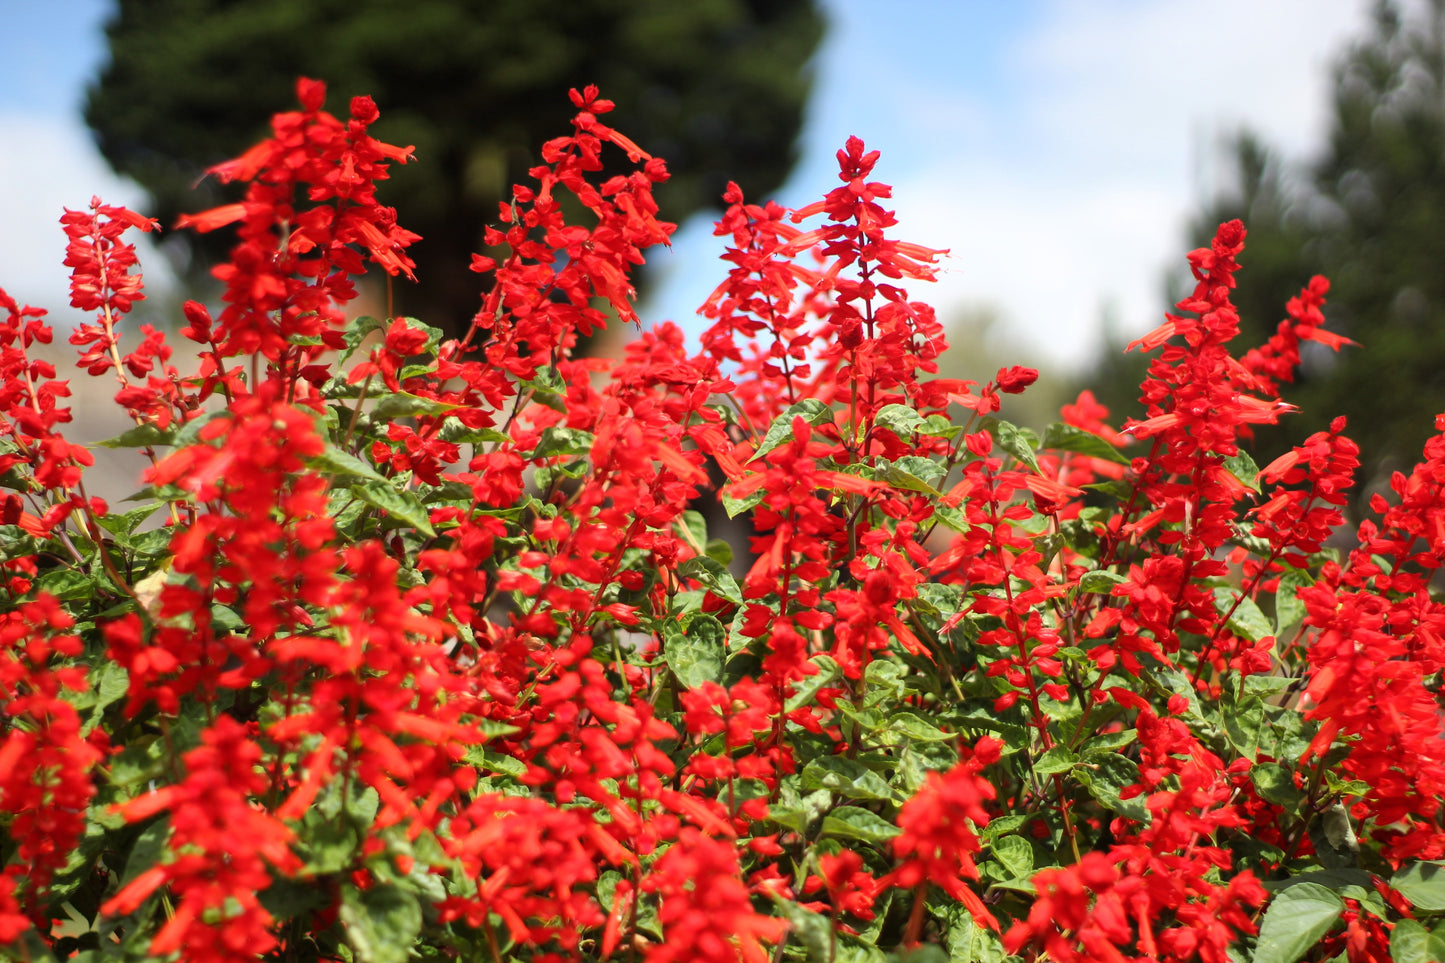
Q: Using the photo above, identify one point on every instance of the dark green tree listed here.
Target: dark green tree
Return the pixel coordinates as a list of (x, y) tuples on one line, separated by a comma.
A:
[(1368, 213), (716, 87)]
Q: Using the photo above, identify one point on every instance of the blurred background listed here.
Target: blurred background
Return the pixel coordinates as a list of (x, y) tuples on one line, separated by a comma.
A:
[(1068, 152)]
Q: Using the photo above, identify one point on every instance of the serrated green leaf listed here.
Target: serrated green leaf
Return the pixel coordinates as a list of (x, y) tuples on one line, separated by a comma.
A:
[(381, 922), (1423, 884), (813, 930), (847, 778), (1100, 581), (403, 506), (147, 849), (67, 584), (1246, 620), (492, 761), (904, 480), (1062, 437), (1275, 783), (1288, 609), (850, 822), (1242, 466), (561, 440), (141, 436), (1057, 759), (971, 942), (1018, 442), (1294, 922), (1410, 943), (334, 461), (1107, 742), (1243, 718), (1107, 779), (914, 727), (1015, 855), (719, 550), (695, 652), (737, 506), (714, 576), (403, 404), (123, 523), (109, 683), (902, 420), (811, 410), (808, 687)]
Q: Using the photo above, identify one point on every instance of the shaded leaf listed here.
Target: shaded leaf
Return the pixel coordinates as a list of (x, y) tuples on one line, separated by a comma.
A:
[(811, 410), (1423, 884), (1062, 437), (850, 822), (695, 652), (381, 922), (400, 505), (1294, 922)]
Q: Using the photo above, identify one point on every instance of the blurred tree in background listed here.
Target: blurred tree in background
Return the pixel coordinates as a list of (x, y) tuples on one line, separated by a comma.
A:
[(716, 87), (1369, 214)]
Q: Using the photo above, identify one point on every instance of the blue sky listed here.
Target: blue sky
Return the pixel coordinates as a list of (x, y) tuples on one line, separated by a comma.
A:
[(1055, 146)]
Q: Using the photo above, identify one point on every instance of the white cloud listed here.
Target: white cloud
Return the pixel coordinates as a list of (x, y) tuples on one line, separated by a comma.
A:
[(1118, 103), (49, 166)]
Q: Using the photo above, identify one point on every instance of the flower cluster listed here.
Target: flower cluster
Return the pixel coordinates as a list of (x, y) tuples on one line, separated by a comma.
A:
[(432, 647)]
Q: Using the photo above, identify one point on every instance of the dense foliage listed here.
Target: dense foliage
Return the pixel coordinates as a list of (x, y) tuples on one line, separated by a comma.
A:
[(416, 648)]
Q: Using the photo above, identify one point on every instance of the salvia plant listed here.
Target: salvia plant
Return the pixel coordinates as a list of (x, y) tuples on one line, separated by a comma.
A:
[(415, 648)]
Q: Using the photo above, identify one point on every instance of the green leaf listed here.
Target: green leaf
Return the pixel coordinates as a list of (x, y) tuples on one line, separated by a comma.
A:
[(381, 922), (811, 410), (1243, 721), (67, 584), (902, 420), (401, 505), (141, 436), (846, 777), (719, 550), (1062, 437), (147, 849), (1275, 783), (1246, 620), (403, 404), (737, 506), (970, 942), (813, 930), (714, 576), (489, 760), (1410, 943), (695, 653), (915, 728), (1423, 884), (123, 523), (1057, 759), (1015, 855), (560, 440), (1107, 742), (808, 687), (1242, 466), (109, 682), (1019, 442), (1288, 609), (1295, 921), (334, 461), (1100, 581), (1107, 779), (850, 822), (904, 480)]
